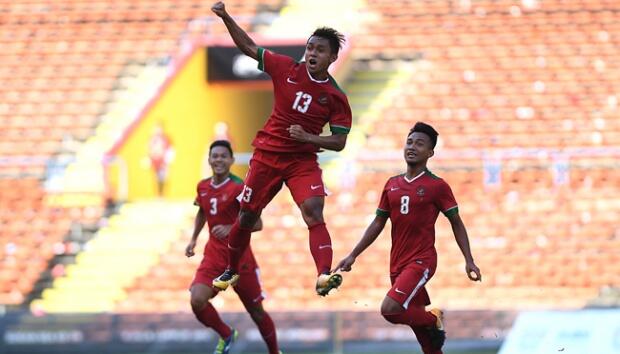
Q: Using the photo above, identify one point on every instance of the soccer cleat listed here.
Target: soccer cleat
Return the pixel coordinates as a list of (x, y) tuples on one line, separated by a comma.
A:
[(223, 345), (326, 282), (228, 278), (437, 333)]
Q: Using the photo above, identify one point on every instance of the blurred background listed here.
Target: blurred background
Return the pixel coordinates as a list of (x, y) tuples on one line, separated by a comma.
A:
[(107, 109)]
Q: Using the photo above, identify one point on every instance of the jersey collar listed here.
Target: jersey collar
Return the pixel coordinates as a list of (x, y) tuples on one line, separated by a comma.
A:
[(221, 184), (315, 80), (414, 178)]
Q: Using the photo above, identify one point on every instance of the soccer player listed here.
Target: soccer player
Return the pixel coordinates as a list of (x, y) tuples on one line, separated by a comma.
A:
[(306, 98), (412, 201), (218, 207)]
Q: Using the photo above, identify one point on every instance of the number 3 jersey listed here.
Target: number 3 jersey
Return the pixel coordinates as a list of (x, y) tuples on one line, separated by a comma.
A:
[(299, 99), (413, 206), (221, 207)]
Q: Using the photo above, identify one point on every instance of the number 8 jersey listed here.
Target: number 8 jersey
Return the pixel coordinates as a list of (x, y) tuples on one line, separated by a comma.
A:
[(413, 206), (299, 99)]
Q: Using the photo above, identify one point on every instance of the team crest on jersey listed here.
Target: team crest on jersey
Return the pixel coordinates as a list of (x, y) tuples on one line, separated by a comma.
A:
[(224, 197), (323, 99), (420, 191)]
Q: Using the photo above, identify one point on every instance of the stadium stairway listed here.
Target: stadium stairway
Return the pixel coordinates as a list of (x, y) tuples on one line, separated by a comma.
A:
[(137, 84), (120, 252)]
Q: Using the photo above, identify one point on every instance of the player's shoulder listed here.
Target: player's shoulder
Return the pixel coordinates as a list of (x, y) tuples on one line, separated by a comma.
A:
[(204, 183), (394, 180), (434, 179), (236, 179), (336, 89)]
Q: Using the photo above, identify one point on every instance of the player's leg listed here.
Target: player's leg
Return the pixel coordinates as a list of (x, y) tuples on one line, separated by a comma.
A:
[(204, 311), (251, 294), (262, 183), (404, 304), (304, 179)]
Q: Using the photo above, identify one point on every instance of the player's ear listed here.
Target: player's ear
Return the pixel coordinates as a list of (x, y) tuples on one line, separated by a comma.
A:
[(332, 58), (431, 153)]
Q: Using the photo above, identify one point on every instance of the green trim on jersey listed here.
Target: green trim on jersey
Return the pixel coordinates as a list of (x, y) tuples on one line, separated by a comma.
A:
[(261, 63), (451, 211), (338, 129), (431, 174), (384, 213), (236, 179), (333, 82)]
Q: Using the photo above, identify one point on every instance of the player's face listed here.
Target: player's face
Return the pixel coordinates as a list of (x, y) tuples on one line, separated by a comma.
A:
[(418, 148), (318, 55), (220, 160)]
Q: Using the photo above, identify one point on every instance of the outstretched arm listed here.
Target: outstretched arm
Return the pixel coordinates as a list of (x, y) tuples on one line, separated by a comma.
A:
[(460, 234), (370, 235), (199, 223), (335, 142), (238, 35)]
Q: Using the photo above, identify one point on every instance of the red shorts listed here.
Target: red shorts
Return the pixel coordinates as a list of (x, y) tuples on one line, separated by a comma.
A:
[(269, 170), (248, 288), (408, 286)]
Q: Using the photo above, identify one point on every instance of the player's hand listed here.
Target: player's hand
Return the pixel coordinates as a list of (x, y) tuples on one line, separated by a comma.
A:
[(298, 133), (473, 272), (345, 264), (221, 231), (219, 9), (189, 250)]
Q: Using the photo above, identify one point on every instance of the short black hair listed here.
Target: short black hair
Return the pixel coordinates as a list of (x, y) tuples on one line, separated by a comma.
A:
[(422, 127), (335, 38), (224, 143)]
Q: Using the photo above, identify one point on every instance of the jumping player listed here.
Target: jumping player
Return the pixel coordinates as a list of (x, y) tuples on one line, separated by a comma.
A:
[(306, 98), (412, 201), (218, 207)]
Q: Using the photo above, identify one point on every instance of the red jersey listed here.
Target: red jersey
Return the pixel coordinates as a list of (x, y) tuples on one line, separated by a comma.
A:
[(221, 207), (413, 206), (299, 99)]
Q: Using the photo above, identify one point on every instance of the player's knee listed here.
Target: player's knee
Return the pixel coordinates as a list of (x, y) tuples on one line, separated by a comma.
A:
[(198, 303), (257, 314), (312, 212), (390, 307), (247, 219)]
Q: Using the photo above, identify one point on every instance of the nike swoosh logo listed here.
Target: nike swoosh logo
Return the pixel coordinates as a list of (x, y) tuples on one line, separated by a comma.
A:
[(325, 246), (288, 79), (203, 194), (394, 189), (315, 187), (400, 292)]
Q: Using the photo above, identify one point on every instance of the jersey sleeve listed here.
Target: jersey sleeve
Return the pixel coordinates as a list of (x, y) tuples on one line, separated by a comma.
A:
[(341, 117), (197, 199), (384, 204), (445, 200), (272, 63)]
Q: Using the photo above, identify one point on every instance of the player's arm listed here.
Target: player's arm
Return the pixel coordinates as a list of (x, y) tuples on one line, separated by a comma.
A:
[(199, 223), (370, 235), (245, 44), (335, 142), (460, 234)]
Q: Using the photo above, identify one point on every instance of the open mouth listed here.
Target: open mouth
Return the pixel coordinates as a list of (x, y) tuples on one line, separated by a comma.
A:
[(312, 61), (411, 154)]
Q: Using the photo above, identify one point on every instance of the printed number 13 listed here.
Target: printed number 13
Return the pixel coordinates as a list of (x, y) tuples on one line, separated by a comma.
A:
[(302, 101)]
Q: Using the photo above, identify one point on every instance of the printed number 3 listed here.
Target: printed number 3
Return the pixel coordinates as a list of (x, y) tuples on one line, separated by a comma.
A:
[(404, 204), (213, 202), (302, 106), (247, 194)]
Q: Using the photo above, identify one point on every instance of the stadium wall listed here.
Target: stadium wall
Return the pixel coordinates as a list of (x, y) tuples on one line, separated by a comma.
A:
[(188, 109)]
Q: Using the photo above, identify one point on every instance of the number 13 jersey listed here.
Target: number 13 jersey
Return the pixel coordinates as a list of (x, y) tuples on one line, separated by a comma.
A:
[(299, 99)]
